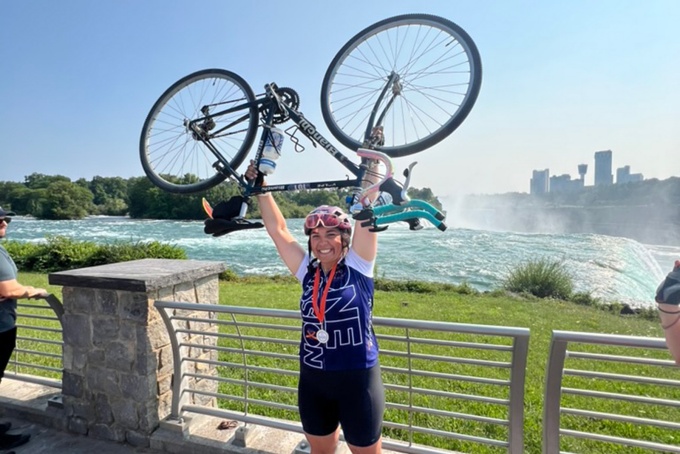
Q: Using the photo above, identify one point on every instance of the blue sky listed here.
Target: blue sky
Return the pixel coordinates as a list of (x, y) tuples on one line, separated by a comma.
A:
[(561, 81)]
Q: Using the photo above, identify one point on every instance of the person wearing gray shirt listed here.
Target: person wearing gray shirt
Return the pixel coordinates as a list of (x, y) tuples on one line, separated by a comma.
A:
[(10, 290)]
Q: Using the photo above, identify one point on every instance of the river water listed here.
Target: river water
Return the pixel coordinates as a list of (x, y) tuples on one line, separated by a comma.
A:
[(611, 268)]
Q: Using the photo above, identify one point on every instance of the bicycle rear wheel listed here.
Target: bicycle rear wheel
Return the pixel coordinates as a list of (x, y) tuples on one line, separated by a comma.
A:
[(439, 74), (173, 156)]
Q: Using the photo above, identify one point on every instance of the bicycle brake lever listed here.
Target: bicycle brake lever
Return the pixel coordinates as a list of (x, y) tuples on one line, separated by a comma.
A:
[(407, 173)]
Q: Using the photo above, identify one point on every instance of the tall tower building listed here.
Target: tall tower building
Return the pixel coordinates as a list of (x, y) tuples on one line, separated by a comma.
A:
[(603, 168), (540, 182), (582, 170)]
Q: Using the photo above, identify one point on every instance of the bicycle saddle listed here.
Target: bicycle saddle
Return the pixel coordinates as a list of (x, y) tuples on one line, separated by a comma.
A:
[(219, 227), (226, 218)]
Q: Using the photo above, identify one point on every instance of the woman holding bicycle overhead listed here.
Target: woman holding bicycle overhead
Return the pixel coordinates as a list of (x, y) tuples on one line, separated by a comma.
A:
[(340, 383)]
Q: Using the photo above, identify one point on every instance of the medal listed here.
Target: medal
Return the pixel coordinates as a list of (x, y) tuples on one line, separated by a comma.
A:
[(319, 307), (322, 336)]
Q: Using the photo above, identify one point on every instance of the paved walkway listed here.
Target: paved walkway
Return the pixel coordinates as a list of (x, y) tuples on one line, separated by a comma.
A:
[(51, 441), (34, 409)]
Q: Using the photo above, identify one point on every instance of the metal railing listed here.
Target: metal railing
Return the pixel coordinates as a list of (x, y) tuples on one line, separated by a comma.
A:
[(429, 369), (38, 354), (599, 371)]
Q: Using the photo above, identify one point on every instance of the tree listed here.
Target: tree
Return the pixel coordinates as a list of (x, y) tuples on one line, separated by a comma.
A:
[(41, 181), (425, 194), (7, 189), (65, 200)]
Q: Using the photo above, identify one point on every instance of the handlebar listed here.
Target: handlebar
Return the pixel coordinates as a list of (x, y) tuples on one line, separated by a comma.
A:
[(402, 207)]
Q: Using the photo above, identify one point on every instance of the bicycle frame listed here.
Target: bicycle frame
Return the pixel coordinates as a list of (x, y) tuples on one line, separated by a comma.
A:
[(402, 208), (270, 102)]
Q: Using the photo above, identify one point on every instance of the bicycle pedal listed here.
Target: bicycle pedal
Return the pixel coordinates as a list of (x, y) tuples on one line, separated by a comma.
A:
[(414, 224)]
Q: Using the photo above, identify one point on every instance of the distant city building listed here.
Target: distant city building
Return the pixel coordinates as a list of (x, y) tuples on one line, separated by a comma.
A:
[(603, 168), (623, 176), (540, 182), (582, 170), (564, 183)]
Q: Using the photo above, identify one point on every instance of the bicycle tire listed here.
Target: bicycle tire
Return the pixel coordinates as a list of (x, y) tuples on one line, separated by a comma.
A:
[(172, 156), (431, 104)]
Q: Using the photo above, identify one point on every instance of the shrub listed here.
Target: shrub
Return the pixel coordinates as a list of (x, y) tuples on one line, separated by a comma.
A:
[(388, 285), (584, 299), (542, 278), (466, 289), (228, 275), (61, 253)]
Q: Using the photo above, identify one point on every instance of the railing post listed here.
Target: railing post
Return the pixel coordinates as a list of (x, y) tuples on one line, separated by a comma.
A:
[(520, 353), (118, 366), (553, 396)]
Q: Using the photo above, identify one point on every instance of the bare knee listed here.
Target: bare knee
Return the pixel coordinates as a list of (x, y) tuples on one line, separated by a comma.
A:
[(325, 444), (375, 448)]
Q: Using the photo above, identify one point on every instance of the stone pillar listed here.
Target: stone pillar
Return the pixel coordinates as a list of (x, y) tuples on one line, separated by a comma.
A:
[(117, 355)]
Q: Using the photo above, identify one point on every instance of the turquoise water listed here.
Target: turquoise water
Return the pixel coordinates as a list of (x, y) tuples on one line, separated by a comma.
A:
[(611, 268)]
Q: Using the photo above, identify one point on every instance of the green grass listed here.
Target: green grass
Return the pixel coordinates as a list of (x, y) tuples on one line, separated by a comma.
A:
[(449, 305)]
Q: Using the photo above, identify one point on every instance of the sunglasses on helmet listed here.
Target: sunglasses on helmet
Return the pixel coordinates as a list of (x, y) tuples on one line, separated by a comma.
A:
[(325, 219)]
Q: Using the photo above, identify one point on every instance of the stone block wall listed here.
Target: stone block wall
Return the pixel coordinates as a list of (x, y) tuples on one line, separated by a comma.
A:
[(118, 365)]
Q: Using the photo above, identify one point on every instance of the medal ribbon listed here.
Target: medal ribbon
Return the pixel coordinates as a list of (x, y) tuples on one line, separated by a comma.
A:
[(320, 312)]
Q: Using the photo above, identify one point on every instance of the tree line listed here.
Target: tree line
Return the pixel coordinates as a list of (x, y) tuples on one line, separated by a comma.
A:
[(56, 197), (647, 211), (652, 192)]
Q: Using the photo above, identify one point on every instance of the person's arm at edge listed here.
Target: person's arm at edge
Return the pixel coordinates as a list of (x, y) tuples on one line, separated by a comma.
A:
[(670, 322), (668, 301), (12, 289)]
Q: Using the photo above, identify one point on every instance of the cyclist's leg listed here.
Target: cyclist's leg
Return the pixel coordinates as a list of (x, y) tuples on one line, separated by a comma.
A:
[(361, 409), (323, 444), (318, 411), (375, 448)]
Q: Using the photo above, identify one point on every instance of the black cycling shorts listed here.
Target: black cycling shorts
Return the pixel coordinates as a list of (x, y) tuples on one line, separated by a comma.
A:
[(355, 399)]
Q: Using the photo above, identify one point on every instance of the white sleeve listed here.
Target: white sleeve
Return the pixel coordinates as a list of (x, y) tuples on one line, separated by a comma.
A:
[(302, 270), (365, 267)]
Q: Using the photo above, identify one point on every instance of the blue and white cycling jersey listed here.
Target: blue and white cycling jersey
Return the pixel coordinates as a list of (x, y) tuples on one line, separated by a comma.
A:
[(351, 341)]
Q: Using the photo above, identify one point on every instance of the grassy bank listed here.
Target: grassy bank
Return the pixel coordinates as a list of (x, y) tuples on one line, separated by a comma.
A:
[(451, 305)]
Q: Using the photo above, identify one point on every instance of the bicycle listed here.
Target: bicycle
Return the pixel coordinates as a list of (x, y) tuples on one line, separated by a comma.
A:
[(416, 75)]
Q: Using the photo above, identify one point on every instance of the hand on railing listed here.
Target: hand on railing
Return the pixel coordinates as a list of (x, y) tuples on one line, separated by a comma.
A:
[(29, 293), (39, 293)]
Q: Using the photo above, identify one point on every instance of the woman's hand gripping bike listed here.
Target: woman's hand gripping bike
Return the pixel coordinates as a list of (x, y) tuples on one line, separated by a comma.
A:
[(396, 88)]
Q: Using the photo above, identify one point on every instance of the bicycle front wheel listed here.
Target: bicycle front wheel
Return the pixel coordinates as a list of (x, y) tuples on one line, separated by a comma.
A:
[(172, 146), (437, 75)]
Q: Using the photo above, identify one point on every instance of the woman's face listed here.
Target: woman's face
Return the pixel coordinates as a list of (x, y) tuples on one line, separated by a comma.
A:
[(326, 245)]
